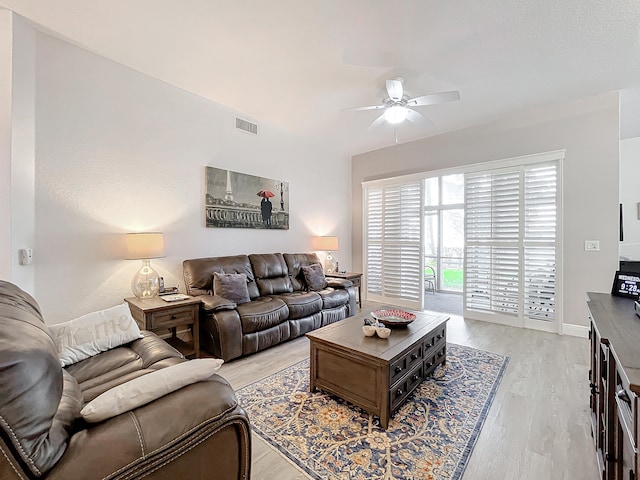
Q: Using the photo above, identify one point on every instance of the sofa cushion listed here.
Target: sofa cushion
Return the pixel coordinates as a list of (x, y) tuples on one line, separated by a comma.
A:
[(145, 389), (314, 276), (301, 304), (97, 374), (274, 286), (32, 384), (332, 298), (295, 262), (262, 313), (95, 332), (272, 275), (232, 286), (268, 265), (198, 273)]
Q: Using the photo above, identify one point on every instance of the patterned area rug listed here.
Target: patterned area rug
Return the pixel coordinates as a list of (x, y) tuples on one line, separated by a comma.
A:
[(430, 437)]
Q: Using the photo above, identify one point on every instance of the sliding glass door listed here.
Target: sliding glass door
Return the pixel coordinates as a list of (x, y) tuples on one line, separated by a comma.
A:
[(489, 231)]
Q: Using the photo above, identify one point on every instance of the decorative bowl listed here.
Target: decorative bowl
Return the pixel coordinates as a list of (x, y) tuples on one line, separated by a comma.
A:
[(393, 317), (368, 330), (383, 332)]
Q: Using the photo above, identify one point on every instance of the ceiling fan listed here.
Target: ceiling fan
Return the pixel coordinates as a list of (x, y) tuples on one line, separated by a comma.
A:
[(398, 107)]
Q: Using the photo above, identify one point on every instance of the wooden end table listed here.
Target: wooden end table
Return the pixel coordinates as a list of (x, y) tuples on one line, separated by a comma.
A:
[(354, 277), (155, 314), (376, 374)]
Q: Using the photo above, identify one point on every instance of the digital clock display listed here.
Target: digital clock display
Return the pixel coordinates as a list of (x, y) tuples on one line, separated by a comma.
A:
[(626, 285)]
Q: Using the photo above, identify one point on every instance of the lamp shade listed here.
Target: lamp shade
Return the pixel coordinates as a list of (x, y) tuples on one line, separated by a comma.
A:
[(144, 246), (325, 243), (396, 114)]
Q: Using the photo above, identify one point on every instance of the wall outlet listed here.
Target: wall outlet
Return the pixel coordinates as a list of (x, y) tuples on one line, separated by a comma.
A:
[(592, 245)]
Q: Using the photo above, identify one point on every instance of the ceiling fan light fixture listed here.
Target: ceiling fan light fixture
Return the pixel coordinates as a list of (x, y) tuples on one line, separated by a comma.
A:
[(396, 114)]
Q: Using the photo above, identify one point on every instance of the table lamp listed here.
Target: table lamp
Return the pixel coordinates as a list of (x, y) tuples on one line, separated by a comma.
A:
[(145, 246), (328, 244)]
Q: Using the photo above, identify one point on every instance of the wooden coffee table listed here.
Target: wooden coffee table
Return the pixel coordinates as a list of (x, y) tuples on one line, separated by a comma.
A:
[(373, 373)]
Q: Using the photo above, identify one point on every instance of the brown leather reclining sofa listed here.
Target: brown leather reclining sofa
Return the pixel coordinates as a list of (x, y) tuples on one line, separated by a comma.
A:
[(197, 432), (280, 305)]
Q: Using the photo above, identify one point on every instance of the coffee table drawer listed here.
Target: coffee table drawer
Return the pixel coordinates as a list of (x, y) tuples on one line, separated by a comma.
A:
[(399, 368), (435, 358), (173, 317), (404, 388), (434, 338)]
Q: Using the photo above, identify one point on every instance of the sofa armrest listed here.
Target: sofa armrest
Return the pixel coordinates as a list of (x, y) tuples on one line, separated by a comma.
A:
[(198, 419), (339, 283), (221, 333), (211, 303)]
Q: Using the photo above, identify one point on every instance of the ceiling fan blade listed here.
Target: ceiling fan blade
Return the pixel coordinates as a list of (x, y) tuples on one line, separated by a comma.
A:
[(394, 89), (418, 119), (369, 107), (434, 98), (377, 122)]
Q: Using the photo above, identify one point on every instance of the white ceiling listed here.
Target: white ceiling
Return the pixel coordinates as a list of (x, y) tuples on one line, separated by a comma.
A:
[(295, 64)]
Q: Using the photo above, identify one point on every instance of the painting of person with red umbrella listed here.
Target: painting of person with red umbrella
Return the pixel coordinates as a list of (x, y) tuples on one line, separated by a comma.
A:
[(265, 206), (240, 200)]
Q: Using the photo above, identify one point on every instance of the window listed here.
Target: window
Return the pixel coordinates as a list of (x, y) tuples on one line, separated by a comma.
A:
[(444, 230), (510, 244)]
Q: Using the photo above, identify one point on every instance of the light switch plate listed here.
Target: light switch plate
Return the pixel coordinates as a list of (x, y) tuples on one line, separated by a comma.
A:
[(25, 256), (592, 245)]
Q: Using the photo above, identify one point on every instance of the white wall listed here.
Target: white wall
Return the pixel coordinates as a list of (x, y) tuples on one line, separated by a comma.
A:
[(630, 197), (118, 151), (587, 129), (6, 54), (23, 151)]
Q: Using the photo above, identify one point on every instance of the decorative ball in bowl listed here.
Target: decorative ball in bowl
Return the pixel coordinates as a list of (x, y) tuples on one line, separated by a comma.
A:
[(393, 317), (368, 330), (383, 332)]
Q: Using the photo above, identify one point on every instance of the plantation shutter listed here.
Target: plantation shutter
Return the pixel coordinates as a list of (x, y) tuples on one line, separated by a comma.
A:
[(510, 243), (540, 220), (374, 242), (394, 244), (492, 248)]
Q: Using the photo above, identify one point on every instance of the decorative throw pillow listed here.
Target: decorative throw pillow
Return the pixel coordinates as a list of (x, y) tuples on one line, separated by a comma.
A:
[(314, 276), (147, 388), (232, 286), (96, 332)]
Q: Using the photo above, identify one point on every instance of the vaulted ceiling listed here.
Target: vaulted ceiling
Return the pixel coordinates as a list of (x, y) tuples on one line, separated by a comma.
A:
[(297, 64)]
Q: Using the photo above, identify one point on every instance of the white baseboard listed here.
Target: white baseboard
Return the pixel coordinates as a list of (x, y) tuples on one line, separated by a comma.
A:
[(575, 330)]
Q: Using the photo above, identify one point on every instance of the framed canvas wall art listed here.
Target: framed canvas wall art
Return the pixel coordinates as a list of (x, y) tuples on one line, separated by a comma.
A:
[(239, 200)]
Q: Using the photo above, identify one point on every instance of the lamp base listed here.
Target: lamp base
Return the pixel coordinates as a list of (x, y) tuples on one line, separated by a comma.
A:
[(145, 283), (330, 264)]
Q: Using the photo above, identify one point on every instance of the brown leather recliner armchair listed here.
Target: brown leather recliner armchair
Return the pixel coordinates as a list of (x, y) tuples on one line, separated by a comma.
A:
[(196, 432)]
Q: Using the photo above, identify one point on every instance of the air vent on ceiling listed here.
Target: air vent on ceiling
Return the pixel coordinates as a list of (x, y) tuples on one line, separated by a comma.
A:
[(246, 126)]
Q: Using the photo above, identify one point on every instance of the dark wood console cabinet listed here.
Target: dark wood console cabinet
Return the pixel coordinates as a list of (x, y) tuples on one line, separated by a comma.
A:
[(615, 384)]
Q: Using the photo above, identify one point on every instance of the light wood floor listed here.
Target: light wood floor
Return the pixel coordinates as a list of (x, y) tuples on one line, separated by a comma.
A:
[(538, 426)]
